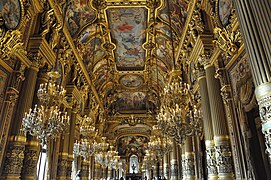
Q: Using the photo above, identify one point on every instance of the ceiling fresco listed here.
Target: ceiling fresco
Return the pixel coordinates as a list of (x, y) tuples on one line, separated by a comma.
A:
[(79, 13), (127, 48), (130, 101), (131, 81), (128, 27), (132, 145)]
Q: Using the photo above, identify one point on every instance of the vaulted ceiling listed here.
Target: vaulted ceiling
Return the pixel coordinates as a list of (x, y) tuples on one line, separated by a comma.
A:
[(126, 47)]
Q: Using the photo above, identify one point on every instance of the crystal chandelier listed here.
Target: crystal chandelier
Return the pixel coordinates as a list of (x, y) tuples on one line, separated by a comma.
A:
[(83, 149), (47, 120), (160, 145), (101, 154), (87, 130), (174, 120)]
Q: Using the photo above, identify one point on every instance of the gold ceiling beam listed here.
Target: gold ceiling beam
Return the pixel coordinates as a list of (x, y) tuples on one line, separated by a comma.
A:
[(75, 52), (185, 29)]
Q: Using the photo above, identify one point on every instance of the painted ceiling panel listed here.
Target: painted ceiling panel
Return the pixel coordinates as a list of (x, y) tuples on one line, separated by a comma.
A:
[(79, 13), (128, 27)]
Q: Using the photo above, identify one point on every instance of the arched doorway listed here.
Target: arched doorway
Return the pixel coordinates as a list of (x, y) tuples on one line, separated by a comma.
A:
[(134, 166)]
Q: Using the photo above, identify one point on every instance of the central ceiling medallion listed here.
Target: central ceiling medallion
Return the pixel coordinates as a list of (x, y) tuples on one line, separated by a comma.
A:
[(128, 33), (131, 81)]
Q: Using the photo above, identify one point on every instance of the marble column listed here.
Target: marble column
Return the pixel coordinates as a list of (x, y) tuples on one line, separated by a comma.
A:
[(189, 160), (13, 162), (207, 124), (109, 173), (166, 166), (255, 23), (223, 153), (173, 162)]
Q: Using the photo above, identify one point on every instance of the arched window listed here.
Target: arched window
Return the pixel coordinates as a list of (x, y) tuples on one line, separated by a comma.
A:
[(133, 164)]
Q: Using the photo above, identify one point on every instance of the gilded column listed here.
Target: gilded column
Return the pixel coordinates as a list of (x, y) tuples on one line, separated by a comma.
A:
[(109, 173), (189, 160), (173, 162), (255, 23), (207, 124), (32, 145), (166, 166), (84, 169), (160, 172), (183, 163), (11, 98), (63, 167), (71, 140), (96, 170), (16, 146), (221, 140)]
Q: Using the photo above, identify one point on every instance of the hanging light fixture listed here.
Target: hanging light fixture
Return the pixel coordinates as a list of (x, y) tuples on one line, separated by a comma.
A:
[(176, 96), (47, 120), (85, 146), (101, 155)]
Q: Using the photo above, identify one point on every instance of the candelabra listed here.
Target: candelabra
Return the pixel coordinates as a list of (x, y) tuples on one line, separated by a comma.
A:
[(47, 120), (172, 120)]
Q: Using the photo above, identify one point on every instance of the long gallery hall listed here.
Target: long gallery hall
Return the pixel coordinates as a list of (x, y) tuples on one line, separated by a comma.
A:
[(135, 90)]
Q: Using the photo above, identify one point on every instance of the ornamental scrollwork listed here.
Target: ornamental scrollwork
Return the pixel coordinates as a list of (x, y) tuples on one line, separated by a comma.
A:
[(227, 40), (223, 158)]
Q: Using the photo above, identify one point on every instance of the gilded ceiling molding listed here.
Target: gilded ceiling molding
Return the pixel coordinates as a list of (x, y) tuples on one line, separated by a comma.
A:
[(66, 32), (191, 8)]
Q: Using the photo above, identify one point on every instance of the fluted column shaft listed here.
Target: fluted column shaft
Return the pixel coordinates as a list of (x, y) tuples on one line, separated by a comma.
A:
[(173, 162), (254, 17), (189, 160), (207, 125), (221, 139)]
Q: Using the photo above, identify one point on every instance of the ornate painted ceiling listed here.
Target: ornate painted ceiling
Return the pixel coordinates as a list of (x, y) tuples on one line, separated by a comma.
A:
[(126, 47)]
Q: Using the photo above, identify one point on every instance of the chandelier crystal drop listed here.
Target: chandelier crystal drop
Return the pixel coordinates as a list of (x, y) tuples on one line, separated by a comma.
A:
[(47, 120)]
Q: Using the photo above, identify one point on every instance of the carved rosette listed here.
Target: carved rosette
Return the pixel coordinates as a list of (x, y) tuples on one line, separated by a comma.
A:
[(263, 96), (223, 159), (14, 159), (189, 165), (211, 161), (31, 155)]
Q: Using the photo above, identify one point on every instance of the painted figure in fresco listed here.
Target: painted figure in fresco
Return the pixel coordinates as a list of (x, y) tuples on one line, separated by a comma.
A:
[(11, 12), (224, 8)]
